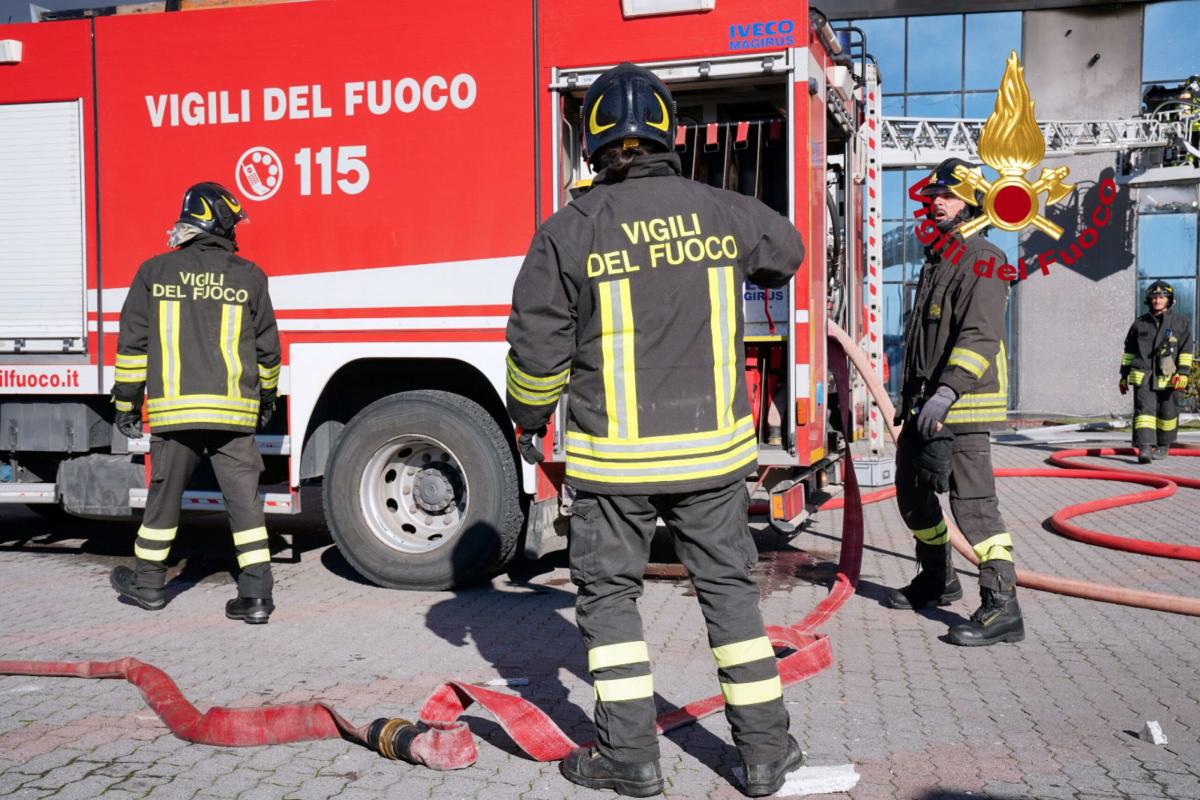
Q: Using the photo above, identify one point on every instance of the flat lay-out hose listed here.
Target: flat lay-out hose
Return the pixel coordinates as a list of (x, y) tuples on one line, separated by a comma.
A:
[(443, 741)]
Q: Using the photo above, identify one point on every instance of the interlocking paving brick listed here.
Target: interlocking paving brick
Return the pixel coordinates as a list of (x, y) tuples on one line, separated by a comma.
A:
[(1055, 716)]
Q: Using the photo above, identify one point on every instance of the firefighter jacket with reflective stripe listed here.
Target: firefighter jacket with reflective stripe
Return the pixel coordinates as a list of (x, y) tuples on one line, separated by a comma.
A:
[(955, 336), (198, 334), (1156, 348), (630, 300)]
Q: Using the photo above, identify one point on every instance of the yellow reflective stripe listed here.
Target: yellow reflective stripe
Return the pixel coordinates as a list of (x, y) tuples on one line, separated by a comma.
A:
[(1126, 359), (722, 324), (1183, 382), (660, 446), (231, 334), (150, 555), (168, 342), (1001, 541), (252, 535), (242, 404), (731, 655), (999, 414), (123, 405), (615, 655), (746, 694), (1135, 377), (157, 534), (531, 397), (268, 377), (618, 689), (132, 361), (630, 373), (670, 470), (995, 554), (1145, 421), (1167, 424), (210, 417), (616, 335), (130, 376), (530, 382), (1185, 359), (583, 438), (254, 557), (935, 535), (969, 360)]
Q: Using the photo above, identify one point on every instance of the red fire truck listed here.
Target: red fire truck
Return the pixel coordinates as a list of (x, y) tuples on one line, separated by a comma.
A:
[(395, 159)]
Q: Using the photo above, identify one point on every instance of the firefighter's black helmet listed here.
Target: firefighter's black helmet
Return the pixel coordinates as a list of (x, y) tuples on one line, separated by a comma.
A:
[(942, 181), (1163, 288), (212, 208), (628, 102)]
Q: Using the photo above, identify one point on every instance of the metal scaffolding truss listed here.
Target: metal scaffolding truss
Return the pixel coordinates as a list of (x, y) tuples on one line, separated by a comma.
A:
[(917, 142)]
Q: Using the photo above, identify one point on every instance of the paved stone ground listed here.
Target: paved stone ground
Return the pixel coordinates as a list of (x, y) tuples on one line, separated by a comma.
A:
[(1052, 717)]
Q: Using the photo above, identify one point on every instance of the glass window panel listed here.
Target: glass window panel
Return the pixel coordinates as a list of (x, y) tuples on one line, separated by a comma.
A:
[(1169, 199), (979, 106), (1006, 241), (990, 37), (893, 105), (885, 41), (935, 54), (893, 335), (894, 192), (935, 105), (1168, 43), (893, 251), (911, 178), (1185, 298), (1166, 245)]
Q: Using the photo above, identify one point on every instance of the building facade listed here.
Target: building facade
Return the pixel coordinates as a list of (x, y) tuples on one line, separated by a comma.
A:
[(1082, 61)]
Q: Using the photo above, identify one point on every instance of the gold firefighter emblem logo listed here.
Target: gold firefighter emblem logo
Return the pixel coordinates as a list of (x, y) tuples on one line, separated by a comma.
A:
[(1012, 144), (207, 215)]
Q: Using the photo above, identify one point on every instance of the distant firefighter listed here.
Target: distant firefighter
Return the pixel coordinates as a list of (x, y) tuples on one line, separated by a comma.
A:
[(1157, 362)]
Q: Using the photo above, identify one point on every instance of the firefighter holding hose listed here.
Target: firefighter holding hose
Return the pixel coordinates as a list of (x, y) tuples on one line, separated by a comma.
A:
[(198, 336), (1157, 363), (629, 300), (955, 388)]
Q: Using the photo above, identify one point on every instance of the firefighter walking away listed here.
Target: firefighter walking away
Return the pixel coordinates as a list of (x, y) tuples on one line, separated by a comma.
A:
[(199, 340), (955, 389), (1157, 363), (629, 301)]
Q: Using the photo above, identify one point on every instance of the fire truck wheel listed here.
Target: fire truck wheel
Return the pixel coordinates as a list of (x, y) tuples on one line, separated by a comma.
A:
[(422, 492)]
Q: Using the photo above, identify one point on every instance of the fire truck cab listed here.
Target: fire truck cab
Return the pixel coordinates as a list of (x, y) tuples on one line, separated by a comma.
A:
[(394, 160)]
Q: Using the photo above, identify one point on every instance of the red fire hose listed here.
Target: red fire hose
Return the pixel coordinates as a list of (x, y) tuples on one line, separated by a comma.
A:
[(443, 741)]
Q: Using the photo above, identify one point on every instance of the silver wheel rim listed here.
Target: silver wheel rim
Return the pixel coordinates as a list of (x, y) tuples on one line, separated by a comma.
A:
[(414, 494)]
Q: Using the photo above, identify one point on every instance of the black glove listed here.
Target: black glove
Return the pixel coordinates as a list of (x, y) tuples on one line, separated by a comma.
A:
[(266, 409), (934, 411), (129, 424), (530, 450), (934, 461)]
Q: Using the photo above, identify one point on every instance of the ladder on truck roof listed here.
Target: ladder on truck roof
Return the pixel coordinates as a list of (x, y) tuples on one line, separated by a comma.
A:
[(924, 142)]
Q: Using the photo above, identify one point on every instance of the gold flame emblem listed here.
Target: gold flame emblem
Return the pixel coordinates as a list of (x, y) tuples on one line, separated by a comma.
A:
[(1012, 144)]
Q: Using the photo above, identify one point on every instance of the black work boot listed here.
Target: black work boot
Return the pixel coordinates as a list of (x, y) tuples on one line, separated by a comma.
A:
[(1161, 451), (250, 610), (998, 619), (767, 778), (937, 582), (125, 581), (587, 767), (1144, 455)]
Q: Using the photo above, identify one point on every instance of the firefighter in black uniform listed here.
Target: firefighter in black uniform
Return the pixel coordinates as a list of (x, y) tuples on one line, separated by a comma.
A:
[(1157, 362), (955, 388), (630, 301), (198, 335)]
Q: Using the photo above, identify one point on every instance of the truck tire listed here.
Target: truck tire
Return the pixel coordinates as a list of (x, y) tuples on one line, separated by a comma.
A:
[(421, 492)]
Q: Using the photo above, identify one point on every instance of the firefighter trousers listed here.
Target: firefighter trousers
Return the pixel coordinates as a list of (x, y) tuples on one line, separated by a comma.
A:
[(609, 548), (1155, 414), (237, 464), (973, 502)]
